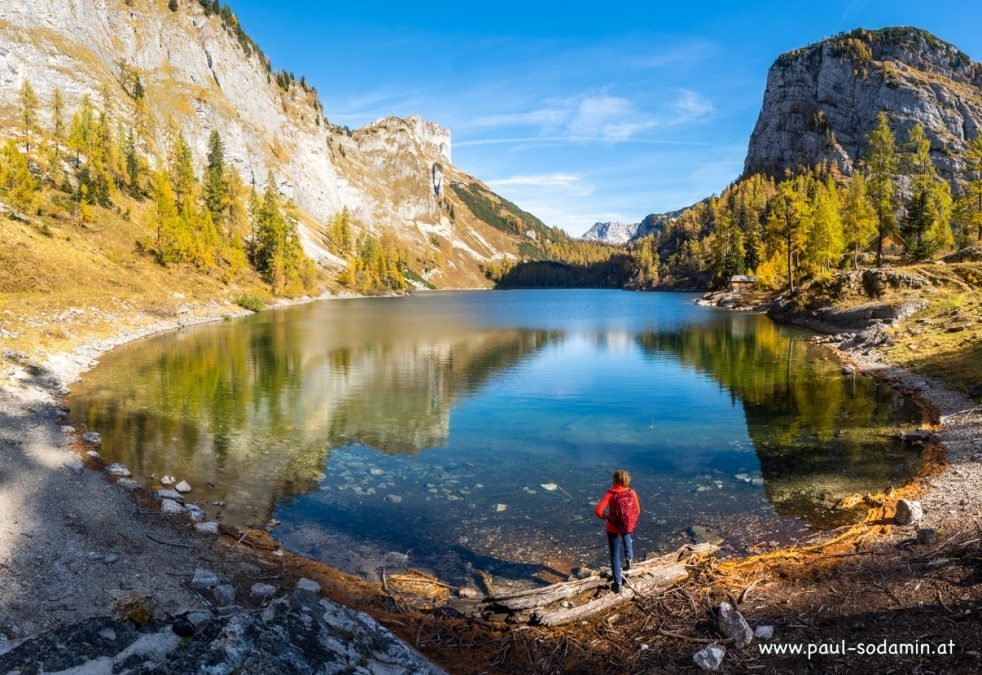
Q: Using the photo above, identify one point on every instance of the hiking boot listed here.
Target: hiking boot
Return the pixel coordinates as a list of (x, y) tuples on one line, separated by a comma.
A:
[(627, 563), (616, 588)]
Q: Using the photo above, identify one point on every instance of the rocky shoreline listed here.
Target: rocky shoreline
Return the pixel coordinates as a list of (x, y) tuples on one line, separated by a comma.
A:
[(84, 553), (855, 334), (99, 574)]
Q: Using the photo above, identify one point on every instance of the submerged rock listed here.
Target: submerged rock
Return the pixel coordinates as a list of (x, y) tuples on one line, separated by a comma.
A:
[(92, 437), (703, 535)]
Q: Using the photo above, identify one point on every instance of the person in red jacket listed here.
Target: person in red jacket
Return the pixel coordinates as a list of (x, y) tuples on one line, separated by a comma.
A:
[(620, 507)]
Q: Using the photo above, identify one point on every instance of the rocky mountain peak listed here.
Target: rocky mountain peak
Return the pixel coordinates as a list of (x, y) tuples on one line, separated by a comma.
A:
[(822, 100)]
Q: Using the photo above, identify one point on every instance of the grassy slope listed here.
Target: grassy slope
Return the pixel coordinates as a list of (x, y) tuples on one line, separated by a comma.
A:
[(99, 269), (944, 340)]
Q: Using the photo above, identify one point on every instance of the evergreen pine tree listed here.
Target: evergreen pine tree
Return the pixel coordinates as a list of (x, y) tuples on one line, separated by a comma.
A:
[(881, 167), (216, 186)]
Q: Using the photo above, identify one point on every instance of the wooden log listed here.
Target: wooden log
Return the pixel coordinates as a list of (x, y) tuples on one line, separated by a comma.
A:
[(661, 578), (535, 603)]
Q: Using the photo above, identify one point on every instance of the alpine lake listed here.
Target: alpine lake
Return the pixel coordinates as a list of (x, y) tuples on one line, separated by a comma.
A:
[(477, 430)]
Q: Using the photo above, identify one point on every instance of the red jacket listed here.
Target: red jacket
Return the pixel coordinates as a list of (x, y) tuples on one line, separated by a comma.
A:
[(602, 506)]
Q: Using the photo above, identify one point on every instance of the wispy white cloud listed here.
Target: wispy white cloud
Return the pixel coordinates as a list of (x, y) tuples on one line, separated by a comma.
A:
[(566, 183), (596, 116)]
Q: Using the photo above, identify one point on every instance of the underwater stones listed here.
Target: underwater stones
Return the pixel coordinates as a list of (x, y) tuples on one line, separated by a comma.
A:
[(498, 508), (395, 499), (908, 511), (92, 438), (733, 625), (710, 657), (703, 535)]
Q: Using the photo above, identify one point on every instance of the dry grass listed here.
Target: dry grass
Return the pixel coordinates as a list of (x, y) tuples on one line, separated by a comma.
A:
[(944, 340), (89, 281)]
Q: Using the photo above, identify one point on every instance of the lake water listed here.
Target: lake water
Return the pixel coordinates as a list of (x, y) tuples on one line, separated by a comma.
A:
[(476, 430)]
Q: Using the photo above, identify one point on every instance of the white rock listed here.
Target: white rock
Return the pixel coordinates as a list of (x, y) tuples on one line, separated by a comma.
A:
[(170, 507), (67, 429), (195, 512), (224, 595), (500, 507), (710, 657), (74, 466), (92, 437), (167, 480), (128, 484), (183, 487), (908, 512), (309, 585), (204, 580), (262, 591), (733, 625), (94, 454), (173, 495), (764, 632), (209, 527), (118, 469)]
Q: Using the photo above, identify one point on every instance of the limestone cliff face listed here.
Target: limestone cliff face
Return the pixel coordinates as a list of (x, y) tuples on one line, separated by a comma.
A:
[(198, 77), (821, 101)]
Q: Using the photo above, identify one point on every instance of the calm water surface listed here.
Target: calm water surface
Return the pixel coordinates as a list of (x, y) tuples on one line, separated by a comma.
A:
[(477, 429)]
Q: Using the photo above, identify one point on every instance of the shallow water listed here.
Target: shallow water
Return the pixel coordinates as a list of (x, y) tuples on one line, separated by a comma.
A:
[(476, 429)]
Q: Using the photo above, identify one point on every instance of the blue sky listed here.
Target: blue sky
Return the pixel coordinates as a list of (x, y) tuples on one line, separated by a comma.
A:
[(578, 112)]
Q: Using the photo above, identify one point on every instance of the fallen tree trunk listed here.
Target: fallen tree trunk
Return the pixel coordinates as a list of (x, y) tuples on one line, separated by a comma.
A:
[(571, 601)]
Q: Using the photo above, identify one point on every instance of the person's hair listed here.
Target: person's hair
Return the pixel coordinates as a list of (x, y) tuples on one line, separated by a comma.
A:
[(622, 477)]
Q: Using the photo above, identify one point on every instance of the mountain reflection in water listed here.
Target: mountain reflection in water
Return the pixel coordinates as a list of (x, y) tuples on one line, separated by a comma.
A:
[(369, 426)]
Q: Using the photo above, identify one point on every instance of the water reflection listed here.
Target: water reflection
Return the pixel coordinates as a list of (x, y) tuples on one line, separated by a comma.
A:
[(436, 423)]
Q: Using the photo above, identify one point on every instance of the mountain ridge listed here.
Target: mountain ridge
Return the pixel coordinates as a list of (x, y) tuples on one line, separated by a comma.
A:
[(201, 72), (822, 100)]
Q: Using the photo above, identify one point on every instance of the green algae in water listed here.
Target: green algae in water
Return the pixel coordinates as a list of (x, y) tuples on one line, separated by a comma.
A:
[(372, 427)]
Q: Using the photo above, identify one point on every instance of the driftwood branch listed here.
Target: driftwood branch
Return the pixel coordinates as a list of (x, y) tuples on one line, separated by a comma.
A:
[(576, 600)]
